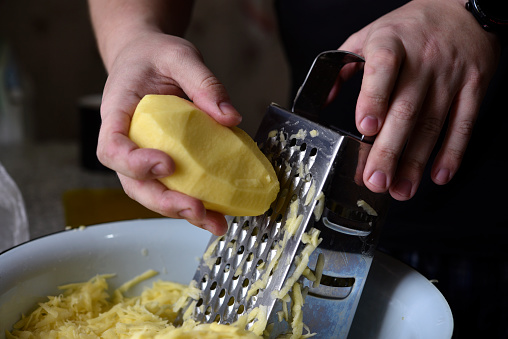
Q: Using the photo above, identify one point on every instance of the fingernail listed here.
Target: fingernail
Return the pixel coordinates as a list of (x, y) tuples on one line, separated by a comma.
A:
[(378, 179), (186, 214), (159, 170), (369, 125), (227, 109), (403, 187), (443, 176)]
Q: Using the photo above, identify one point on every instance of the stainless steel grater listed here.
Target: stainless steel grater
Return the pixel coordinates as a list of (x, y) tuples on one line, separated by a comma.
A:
[(308, 158)]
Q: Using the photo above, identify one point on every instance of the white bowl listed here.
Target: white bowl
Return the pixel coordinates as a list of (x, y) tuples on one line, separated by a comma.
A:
[(397, 302)]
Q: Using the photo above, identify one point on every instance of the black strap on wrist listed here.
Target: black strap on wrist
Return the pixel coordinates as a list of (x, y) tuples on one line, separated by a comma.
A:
[(492, 15)]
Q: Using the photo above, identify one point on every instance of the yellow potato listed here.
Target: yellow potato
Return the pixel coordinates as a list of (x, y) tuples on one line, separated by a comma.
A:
[(221, 166)]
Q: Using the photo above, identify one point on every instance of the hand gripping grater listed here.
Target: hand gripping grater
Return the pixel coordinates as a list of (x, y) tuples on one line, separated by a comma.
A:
[(309, 159)]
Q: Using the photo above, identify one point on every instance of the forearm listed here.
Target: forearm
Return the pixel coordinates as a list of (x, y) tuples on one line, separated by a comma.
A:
[(116, 22)]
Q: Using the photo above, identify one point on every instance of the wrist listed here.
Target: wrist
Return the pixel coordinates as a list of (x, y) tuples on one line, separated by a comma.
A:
[(119, 22), (471, 26), (491, 15), (112, 43)]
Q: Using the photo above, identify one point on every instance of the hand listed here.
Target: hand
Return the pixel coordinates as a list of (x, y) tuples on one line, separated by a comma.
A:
[(425, 62), (156, 63)]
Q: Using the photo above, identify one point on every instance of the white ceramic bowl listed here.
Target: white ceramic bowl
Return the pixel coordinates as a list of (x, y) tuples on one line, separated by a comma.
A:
[(397, 302)]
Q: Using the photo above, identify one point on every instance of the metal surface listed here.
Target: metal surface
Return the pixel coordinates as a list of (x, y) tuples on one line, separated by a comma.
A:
[(308, 157), (238, 257)]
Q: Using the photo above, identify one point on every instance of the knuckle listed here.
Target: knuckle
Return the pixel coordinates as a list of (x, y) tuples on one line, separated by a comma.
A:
[(107, 151), (184, 51), (464, 128), (430, 50), (404, 110), (386, 56), (475, 78), (129, 192), (415, 166), (455, 154), (388, 154), (210, 81), (104, 153), (376, 99), (430, 127), (382, 59)]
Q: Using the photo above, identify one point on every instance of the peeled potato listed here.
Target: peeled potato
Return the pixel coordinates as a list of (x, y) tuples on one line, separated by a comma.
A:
[(221, 166)]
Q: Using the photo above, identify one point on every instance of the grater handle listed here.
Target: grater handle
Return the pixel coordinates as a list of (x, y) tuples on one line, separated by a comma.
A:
[(314, 91)]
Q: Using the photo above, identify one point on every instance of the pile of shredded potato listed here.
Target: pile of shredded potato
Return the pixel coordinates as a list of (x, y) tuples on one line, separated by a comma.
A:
[(86, 310)]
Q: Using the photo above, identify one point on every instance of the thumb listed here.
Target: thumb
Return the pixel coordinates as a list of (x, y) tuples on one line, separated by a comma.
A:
[(211, 96), (206, 91)]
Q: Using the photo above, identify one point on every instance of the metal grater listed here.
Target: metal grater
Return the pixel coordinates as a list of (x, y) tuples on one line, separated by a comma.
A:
[(308, 158)]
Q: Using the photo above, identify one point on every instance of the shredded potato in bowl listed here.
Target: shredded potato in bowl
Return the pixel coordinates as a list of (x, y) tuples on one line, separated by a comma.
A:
[(86, 310)]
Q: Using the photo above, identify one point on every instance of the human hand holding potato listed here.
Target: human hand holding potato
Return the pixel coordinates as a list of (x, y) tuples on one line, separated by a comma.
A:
[(140, 60)]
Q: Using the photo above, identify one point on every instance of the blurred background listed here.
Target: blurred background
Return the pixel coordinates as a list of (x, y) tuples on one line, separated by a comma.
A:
[(51, 78)]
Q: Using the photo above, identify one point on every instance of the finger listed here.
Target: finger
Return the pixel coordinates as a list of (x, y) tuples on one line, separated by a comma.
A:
[(400, 120), (422, 141), (155, 196), (215, 223), (353, 44), (116, 151), (463, 115), (346, 73), (383, 59)]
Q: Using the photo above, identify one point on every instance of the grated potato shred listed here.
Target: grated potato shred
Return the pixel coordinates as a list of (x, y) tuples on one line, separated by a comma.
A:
[(87, 311)]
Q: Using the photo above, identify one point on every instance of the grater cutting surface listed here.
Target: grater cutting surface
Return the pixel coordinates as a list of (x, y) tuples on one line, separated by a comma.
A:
[(302, 153), (310, 157)]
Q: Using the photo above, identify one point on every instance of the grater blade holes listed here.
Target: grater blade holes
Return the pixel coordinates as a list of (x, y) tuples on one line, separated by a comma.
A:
[(255, 231), (200, 302), (204, 280), (246, 225), (313, 152), (332, 281)]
